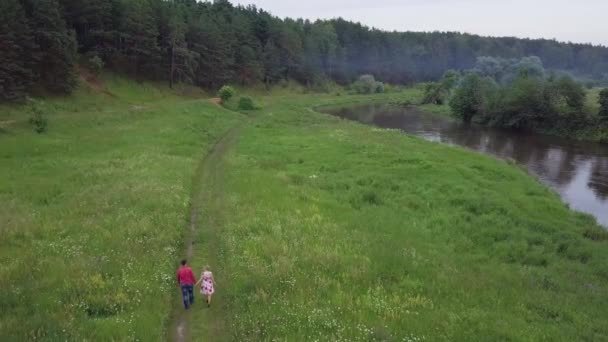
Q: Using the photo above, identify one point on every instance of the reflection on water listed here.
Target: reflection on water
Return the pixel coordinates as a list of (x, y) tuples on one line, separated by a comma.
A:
[(578, 171)]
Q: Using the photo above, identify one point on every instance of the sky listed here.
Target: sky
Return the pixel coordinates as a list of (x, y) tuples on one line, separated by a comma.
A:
[(582, 21)]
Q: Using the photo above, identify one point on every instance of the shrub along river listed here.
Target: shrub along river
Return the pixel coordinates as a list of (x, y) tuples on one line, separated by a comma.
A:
[(578, 171)]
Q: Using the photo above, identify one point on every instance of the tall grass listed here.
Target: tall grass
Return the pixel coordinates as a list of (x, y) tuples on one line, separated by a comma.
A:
[(330, 230), (342, 232), (93, 212)]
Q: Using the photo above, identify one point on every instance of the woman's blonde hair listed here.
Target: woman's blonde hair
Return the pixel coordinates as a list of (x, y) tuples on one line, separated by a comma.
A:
[(206, 268)]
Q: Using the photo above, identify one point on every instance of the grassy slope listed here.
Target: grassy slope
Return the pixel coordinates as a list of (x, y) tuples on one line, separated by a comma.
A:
[(338, 231), (92, 214)]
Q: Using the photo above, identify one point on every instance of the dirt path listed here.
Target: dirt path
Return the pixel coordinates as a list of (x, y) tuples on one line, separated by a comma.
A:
[(93, 81), (216, 101), (206, 217)]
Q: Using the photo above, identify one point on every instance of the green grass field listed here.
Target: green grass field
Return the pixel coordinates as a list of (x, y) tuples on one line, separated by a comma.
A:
[(338, 231), (316, 229), (93, 213)]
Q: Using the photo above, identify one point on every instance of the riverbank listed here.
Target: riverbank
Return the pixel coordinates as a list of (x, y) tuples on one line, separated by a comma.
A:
[(577, 170), (328, 229), (338, 229)]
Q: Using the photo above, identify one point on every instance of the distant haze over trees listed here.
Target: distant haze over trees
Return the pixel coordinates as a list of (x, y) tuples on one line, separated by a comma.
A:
[(211, 44)]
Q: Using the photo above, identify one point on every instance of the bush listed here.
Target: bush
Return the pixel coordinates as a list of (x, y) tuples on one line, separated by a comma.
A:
[(367, 84), (226, 93), (379, 88), (438, 92), (468, 100), (433, 94), (95, 64), (246, 103), (38, 120), (572, 93)]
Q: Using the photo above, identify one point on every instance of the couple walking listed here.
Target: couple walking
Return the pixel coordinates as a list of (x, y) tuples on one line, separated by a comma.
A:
[(187, 282)]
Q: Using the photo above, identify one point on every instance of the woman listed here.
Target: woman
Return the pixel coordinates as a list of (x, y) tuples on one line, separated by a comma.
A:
[(207, 284)]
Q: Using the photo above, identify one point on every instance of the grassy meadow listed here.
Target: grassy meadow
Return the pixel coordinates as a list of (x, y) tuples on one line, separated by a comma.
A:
[(337, 231), (316, 228), (93, 213)]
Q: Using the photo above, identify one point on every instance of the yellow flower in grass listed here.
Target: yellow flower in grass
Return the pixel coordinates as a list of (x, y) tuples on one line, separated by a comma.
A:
[(96, 281)]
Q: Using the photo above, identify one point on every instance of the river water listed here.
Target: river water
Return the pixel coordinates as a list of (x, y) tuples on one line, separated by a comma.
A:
[(578, 171)]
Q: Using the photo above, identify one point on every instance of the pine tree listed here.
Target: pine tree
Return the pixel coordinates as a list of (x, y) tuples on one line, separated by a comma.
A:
[(273, 70), (290, 45), (247, 50), (214, 45), (139, 38), (55, 55), (321, 45), (16, 42), (181, 60), (94, 24)]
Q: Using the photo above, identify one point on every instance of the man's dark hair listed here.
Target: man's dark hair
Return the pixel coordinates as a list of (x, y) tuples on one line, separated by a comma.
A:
[(184, 262)]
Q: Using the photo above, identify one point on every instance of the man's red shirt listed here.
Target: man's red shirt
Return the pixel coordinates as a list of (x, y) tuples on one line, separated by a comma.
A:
[(185, 276)]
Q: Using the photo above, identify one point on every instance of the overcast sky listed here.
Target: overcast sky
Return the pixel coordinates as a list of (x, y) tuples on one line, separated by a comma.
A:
[(583, 21)]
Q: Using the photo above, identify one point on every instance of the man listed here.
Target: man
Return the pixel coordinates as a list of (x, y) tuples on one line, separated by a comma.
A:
[(186, 280)]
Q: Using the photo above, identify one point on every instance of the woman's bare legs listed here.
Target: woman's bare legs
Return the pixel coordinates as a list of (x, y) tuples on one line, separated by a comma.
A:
[(208, 300)]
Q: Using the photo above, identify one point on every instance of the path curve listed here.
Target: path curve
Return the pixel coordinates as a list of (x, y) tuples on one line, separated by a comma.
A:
[(216, 101)]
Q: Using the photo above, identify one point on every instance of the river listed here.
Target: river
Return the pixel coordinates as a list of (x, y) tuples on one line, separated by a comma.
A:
[(578, 171)]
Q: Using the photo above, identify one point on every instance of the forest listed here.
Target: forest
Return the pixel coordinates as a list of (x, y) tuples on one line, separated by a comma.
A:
[(209, 44)]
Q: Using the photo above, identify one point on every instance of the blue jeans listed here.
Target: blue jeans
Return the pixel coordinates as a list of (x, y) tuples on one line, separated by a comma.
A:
[(188, 295)]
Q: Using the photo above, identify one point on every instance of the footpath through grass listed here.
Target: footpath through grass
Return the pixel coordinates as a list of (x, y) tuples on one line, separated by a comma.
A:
[(338, 231), (93, 213)]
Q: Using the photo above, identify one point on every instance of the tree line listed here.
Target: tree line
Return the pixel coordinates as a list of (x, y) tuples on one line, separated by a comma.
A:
[(214, 43), (521, 94)]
